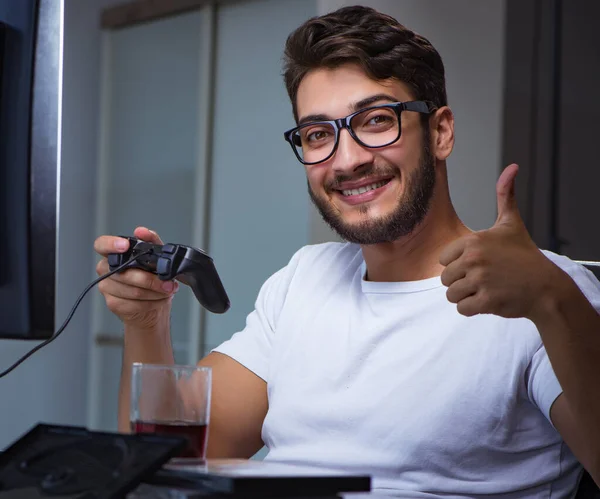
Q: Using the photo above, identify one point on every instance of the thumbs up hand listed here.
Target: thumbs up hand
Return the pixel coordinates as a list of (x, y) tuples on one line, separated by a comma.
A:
[(499, 270)]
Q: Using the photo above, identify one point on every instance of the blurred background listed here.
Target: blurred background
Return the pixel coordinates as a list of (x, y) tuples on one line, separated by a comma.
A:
[(172, 118)]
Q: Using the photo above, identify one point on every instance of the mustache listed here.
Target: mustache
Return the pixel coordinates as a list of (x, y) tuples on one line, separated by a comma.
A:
[(366, 172)]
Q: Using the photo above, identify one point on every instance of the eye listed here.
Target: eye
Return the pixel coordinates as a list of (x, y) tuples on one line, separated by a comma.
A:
[(317, 135), (380, 119)]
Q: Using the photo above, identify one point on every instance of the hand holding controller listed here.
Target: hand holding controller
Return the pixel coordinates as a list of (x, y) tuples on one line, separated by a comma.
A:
[(189, 265)]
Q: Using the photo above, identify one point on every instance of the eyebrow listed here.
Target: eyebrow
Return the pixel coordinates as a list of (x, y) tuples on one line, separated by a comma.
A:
[(361, 104)]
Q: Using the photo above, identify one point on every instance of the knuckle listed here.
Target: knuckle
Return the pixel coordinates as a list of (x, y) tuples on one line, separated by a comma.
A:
[(479, 275), (445, 278), (465, 310), (485, 300), (144, 281), (135, 277), (136, 293), (473, 239), (151, 282), (101, 266), (473, 258), (112, 302), (141, 278)]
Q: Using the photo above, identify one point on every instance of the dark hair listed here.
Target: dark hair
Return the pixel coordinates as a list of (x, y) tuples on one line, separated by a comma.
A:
[(382, 46)]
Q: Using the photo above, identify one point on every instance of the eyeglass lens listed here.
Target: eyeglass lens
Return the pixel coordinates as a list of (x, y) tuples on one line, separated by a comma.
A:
[(377, 127)]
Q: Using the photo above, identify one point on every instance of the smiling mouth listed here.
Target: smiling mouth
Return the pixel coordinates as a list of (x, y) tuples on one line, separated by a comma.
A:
[(364, 188)]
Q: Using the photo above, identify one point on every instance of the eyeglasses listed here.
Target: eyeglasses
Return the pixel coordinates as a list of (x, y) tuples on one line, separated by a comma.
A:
[(373, 127)]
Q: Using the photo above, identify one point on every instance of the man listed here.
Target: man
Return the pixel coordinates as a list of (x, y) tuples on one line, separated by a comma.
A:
[(445, 362)]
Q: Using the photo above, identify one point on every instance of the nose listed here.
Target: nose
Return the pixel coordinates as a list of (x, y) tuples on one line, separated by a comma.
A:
[(350, 155)]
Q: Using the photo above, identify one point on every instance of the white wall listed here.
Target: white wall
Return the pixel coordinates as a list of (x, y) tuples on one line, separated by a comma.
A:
[(51, 386), (469, 35), (259, 214)]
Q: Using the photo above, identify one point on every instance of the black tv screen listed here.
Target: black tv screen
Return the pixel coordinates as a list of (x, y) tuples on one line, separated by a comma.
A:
[(30, 104)]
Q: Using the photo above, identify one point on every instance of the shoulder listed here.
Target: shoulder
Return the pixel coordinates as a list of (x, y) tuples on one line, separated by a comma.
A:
[(316, 260), (309, 271), (583, 277), (311, 262), (328, 254)]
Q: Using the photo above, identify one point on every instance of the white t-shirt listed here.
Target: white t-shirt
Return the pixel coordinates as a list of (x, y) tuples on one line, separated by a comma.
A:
[(389, 379)]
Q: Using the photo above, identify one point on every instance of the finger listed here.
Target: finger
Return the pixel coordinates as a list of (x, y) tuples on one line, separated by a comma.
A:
[(505, 194), (104, 245), (452, 252), (461, 290), (146, 280), (453, 272), (147, 235), (102, 267), (469, 306), (123, 307), (125, 291), (138, 278)]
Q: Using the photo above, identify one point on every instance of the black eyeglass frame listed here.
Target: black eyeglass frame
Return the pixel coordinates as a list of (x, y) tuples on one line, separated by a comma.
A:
[(418, 106)]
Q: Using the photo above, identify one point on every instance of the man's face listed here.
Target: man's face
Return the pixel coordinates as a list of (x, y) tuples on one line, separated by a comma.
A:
[(400, 177)]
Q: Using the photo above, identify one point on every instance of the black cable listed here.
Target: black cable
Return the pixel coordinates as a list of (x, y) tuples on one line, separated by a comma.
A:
[(70, 316)]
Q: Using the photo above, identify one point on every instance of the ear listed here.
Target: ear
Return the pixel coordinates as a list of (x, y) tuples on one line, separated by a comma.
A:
[(441, 125)]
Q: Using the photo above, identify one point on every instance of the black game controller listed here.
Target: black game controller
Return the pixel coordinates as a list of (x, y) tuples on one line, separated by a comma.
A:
[(189, 265)]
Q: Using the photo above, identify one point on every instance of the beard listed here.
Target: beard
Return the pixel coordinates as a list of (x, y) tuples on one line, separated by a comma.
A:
[(409, 212)]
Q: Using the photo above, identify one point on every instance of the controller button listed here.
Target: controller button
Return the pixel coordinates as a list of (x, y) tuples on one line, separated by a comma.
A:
[(114, 260), (169, 248), (163, 266)]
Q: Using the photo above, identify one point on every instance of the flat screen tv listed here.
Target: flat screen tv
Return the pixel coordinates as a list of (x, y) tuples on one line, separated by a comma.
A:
[(31, 34)]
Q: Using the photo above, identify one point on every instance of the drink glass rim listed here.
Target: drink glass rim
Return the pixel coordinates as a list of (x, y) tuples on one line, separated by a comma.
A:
[(170, 367)]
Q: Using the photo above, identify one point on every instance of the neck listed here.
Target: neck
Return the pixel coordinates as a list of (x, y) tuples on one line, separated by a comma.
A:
[(416, 255)]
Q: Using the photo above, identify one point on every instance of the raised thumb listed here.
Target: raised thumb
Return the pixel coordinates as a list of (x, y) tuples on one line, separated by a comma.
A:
[(505, 195)]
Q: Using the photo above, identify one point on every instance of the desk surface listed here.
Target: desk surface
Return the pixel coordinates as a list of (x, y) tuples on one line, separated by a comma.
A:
[(229, 478)]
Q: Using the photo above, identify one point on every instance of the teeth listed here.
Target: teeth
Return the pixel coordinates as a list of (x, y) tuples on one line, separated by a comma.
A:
[(364, 188)]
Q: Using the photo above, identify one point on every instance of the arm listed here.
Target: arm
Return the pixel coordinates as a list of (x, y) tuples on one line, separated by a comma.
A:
[(501, 271), (238, 409), (570, 329), (143, 303), (147, 345), (238, 401), (239, 397)]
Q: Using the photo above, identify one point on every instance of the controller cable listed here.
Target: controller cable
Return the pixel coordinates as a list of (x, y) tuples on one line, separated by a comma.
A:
[(61, 329)]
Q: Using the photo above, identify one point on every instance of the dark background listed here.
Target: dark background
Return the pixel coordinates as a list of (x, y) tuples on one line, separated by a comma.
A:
[(551, 127)]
